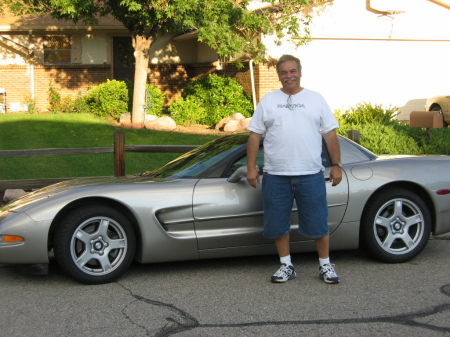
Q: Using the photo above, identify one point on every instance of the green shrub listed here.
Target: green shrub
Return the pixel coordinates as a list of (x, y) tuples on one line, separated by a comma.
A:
[(54, 99), (155, 101), (80, 105), (434, 141), (130, 86), (108, 100), (384, 139), (220, 96), (382, 133), (57, 103), (367, 113), (31, 105), (187, 112)]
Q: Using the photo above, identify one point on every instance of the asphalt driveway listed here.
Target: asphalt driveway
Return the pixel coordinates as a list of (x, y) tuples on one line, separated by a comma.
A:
[(234, 297)]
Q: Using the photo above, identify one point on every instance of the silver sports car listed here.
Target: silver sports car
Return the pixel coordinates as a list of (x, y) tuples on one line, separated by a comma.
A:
[(200, 206)]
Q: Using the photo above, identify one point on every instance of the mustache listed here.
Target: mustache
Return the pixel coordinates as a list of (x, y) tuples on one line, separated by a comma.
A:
[(290, 79)]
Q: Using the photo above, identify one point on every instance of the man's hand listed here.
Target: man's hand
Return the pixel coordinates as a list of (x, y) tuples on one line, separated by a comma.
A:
[(252, 176), (335, 175), (252, 151), (335, 153)]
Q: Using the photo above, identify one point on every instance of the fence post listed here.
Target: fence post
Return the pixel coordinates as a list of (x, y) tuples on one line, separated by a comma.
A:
[(119, 153), (354, 135)]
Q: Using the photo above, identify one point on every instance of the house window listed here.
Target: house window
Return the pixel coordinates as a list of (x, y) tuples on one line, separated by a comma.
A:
[(57, 49)]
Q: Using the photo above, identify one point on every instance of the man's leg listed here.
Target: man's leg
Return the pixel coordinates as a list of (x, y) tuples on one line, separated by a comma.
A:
[(282, 245), (286, 271), (326, 270), (323, 247), (277, 201)]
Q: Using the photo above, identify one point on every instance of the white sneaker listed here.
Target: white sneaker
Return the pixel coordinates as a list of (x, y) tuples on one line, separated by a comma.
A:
[(327, 274), (284, 274)]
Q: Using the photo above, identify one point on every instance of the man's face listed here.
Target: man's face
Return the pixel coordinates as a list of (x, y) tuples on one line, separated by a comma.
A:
[(289, 75)]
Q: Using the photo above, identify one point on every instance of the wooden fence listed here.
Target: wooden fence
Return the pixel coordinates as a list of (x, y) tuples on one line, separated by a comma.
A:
[(119, 150)]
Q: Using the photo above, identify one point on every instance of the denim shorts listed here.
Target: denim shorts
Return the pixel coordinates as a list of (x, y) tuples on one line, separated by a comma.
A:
[(309, 192)]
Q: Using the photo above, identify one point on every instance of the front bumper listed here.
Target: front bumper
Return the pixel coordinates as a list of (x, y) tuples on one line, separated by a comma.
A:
[(33, 249)]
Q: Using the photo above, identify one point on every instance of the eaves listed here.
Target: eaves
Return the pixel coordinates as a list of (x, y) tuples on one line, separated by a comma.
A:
[(33, 28)]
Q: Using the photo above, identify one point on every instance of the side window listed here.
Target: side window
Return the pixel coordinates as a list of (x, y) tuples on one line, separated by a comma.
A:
[(325, 161), (57, 49), (243, 162), (325, 157), (350, 153), (260, 158)]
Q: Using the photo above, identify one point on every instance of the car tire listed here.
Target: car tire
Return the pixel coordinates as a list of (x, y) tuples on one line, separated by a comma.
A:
[(94, 244), (438, 108), (396, 226)]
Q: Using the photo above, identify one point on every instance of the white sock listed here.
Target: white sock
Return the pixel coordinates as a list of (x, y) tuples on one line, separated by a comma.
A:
[(286, 260), (324, 261)]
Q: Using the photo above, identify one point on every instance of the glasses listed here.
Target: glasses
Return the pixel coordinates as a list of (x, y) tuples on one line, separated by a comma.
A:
[(289, 104)]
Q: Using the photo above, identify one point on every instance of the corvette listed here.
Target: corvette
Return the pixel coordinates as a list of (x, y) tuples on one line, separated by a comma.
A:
[(200, 206)]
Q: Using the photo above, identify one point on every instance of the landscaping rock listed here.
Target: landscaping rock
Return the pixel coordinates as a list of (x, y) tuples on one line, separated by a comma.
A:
[(12, 194), (125, 118), (161, 124), (235, 123), (125, 121)]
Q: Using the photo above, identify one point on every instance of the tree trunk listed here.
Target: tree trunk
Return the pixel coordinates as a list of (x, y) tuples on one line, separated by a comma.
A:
[(141, 46)]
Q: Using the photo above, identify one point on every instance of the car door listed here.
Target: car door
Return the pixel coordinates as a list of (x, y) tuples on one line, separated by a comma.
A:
[(228, 214), (231, 214)]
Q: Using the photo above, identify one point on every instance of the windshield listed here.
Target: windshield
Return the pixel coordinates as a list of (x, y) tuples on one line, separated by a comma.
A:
[(194, 163)]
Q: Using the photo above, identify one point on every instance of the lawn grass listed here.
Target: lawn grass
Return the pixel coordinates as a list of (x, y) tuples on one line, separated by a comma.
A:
[(23, 131)]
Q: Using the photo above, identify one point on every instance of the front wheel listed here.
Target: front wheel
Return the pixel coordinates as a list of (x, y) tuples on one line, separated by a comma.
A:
[(396, 226), (94, 244)]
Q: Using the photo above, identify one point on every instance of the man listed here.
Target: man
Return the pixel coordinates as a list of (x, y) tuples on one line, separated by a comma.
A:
[(294, 120)]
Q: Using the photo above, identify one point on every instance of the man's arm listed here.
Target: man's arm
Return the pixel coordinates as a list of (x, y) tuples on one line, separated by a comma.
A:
[(335, 153), (252, 151)]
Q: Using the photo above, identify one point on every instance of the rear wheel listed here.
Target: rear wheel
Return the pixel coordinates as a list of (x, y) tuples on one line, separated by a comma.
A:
[(396, 226), (438, 108), (94, 244)]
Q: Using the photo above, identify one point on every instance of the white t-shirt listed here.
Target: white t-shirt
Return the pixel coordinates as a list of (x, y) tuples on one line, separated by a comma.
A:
[(293, 126)]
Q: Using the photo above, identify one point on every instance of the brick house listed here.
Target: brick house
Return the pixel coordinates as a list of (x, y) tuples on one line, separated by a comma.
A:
[(37, 53), (389, 52)]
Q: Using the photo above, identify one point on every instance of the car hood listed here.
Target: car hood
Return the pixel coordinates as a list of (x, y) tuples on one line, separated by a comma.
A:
[(70, 186)]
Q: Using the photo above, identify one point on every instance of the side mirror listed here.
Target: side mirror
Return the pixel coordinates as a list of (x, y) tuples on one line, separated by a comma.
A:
[(240, 173)]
